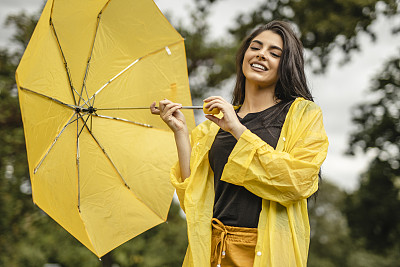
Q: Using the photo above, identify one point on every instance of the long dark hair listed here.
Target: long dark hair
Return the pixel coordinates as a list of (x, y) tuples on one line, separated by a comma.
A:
[(292, 81)]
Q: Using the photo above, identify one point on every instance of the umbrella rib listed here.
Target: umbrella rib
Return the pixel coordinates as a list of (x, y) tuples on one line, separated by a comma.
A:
[(113, 78), (130, 65), (54, 142), (65, 62), (84, 123), (78, 133), (48, 97), (91, 52), (120, 175), (78, 163), (63, 56), (108, 157), (124, 120)]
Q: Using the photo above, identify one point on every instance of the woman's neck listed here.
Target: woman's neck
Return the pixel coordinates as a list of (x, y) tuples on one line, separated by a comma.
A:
[(257, 99)]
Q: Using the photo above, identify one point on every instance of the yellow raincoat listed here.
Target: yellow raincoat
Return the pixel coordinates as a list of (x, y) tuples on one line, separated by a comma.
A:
[(283, 177)]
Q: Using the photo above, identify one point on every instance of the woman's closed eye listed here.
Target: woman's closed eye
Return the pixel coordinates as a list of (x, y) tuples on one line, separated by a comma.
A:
[(275, 54)]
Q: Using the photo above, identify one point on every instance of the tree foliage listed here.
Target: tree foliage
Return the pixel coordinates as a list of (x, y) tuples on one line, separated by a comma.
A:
[(377, 120), (209, 62), (329, 246), (373, 210), (28, 237), (24, 25), (16, 205), (322, 25)]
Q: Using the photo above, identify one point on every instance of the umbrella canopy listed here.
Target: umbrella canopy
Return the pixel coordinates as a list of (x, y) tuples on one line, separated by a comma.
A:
[(98, 166)]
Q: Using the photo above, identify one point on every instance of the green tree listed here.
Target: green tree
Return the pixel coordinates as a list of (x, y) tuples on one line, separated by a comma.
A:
[(323, 25), (16, 204), (330, 243), (28, 237), (164, 245), (209, 61), (373, 210)]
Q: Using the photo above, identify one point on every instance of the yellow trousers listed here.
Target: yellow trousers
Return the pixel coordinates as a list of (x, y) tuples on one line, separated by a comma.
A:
[(232, 246)]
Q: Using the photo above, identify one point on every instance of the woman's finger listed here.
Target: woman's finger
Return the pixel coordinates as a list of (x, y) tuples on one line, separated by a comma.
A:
[(213, 119), (170, 114), (210, 98), (223, 106), (163, 103), (212, 102), (154, 110), (171, 105), (215, 104), (170, 108)]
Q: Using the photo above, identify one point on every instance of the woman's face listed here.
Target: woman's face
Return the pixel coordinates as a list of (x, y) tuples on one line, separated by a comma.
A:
[(261, 59)]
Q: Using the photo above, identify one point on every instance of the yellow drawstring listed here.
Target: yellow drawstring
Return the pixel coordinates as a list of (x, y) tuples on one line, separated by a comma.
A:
[(217, 224)]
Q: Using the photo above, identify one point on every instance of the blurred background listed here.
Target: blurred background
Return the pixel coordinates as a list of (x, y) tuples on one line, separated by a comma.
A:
[(352, 49)]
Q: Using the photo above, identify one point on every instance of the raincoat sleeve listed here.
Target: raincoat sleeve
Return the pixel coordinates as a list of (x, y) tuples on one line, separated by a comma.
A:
[(289, 173), (175, 176)]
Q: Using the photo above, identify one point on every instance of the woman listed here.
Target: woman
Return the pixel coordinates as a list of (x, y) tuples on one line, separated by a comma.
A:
[(244, 177)]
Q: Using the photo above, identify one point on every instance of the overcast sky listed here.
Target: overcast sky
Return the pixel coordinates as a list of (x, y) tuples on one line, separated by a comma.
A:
[(336, 92)]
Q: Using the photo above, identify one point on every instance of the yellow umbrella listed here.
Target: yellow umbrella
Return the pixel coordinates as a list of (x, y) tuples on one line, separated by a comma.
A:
[(98, 166)]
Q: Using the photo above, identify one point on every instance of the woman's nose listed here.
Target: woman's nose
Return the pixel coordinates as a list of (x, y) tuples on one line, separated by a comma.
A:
[(261, 56)]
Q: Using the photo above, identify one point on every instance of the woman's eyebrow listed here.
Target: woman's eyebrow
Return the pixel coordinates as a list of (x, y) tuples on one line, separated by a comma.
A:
[(271, 47), (258, 42), (276, 47)]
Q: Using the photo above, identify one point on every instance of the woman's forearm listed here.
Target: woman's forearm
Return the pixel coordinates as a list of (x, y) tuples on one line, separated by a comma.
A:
[(184, 150), (171, 115)]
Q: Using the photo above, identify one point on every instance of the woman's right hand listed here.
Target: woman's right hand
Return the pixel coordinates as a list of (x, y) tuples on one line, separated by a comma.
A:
[(174, 118), (170, 114)]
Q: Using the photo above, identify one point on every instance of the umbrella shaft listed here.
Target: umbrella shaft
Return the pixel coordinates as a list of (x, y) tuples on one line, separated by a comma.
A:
[(127, 108), (192, 107)]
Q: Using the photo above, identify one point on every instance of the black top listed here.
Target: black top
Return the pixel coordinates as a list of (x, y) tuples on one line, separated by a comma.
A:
[(235, 205)]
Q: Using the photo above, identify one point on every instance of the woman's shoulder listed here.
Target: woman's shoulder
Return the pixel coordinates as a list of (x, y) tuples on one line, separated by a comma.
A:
[(301, 105), (303, 111)]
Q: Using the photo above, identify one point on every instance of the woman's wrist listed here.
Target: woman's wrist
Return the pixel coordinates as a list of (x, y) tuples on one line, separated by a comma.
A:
[(181, 131), (238, 131)]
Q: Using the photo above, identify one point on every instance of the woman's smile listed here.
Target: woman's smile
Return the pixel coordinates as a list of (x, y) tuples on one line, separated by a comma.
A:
[(261, 60), (258, 66)]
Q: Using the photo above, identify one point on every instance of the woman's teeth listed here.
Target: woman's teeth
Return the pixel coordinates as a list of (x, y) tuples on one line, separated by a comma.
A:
[(258, 66)]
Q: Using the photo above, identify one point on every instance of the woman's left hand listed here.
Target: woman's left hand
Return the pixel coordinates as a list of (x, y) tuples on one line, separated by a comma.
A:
[(229, 122)]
